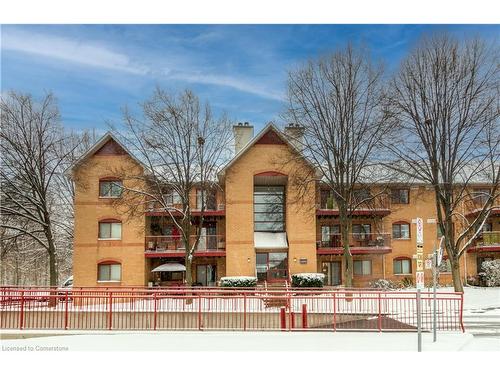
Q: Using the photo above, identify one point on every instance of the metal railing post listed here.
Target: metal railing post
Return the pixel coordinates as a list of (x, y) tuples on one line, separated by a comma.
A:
[(155, 311), (110, 313), (462, 311), (21, 313), (199, 312), (419, 321), (304, 316), (244, 311), (379, 313), (334, 311), (66, 311)]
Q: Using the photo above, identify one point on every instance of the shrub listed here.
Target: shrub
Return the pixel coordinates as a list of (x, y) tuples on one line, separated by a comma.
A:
[(308, 280), (407, 282), (238, 281), (383, 284), (491, 272)]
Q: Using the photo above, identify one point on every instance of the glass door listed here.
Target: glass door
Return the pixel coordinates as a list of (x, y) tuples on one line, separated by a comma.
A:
[(333, 272), (272, 266), (206, 274)]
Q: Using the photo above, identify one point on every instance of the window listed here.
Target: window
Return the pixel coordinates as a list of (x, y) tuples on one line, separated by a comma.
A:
[(400, 230), (361, 231), (209, 200), (480, 196), (172, 198), (109, 272), (327, 201), (487, 227), (401, 266), (110, 230), (110, 188), (362, 267), (445, 266), (269, 208), (330, 236), (400, 196), (361, 195)]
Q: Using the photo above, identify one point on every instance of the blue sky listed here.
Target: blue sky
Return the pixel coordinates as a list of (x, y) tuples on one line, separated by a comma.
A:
[(95, 70)]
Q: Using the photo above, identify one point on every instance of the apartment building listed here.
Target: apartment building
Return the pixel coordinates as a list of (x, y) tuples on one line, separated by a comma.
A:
[(259, 223)]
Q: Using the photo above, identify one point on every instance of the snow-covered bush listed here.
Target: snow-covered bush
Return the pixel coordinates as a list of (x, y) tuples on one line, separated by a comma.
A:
[(308, 280), (238, 281), (491, 272), (383, 284)]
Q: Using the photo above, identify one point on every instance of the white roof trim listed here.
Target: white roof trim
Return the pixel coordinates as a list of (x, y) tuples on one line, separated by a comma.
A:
[(101, 142), (270, 240)]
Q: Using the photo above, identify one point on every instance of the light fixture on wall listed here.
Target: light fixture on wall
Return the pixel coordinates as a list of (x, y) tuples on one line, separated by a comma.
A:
[(295, 260), (248, 259)]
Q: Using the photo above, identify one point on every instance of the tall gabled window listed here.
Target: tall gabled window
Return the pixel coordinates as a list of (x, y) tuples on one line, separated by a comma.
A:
[(110, 229), (110, 188), (269, 208)]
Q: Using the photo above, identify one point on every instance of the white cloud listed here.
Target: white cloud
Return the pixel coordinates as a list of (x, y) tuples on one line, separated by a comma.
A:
[(228, 81), (99, 56), (71, 50)]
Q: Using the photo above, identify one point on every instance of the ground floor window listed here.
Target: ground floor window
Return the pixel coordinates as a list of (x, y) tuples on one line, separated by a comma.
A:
[(362, 267), (401, 266), (271, 266), (109, 272)]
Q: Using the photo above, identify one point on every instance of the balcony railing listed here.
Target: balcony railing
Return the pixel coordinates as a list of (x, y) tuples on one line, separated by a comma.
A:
[(175, 244), (378, 204), (488, 239), (356, 240)]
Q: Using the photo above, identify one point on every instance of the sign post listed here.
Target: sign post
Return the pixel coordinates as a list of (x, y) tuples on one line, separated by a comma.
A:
[(419, 276)]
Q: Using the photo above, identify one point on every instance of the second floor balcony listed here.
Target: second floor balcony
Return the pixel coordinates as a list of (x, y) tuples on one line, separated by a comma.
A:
[(359, 243), (171, 246), (486, 242)]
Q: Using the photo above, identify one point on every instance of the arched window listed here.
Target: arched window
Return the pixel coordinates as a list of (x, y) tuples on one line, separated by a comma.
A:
[(109, 271), (401, 266), (401, 230), (110, 187), (110, 229)]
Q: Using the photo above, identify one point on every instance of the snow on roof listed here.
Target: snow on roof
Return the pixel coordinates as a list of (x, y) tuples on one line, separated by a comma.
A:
[(170, 267)]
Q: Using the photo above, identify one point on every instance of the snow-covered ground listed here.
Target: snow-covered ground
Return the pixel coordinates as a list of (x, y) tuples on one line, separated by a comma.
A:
[(250, 341)]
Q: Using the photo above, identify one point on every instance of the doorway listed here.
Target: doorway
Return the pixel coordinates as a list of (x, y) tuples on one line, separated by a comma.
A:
[(206, 274), (271, 266), (333, 272)]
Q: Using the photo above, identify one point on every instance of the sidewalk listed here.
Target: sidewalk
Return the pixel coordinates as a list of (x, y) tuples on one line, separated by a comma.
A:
[(231, 341)]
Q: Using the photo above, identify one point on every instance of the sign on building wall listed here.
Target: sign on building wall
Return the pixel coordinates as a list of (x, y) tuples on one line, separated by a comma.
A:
[(420, 279), (420, 230)]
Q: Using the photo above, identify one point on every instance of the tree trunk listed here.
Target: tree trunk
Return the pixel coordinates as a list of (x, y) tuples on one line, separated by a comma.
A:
[(455, 273), (189, 278), (344, 229)]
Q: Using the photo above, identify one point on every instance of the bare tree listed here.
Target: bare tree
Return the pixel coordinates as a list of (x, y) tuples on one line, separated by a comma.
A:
[(31, 137), (182, 146), (444, 100), (337, 99)]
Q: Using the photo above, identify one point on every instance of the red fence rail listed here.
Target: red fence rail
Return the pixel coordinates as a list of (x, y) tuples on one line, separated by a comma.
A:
[(224, 309)]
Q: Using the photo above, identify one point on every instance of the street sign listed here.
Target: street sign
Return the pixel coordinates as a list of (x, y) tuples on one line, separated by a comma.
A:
[(420, 279), (420, 230), (428, 264), (420, 265)]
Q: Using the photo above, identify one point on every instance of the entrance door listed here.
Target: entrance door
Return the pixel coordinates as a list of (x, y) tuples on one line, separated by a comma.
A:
[(272, 266), (333, 272), (206, 274)]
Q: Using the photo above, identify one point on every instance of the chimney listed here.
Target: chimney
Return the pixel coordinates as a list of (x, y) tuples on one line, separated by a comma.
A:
[(295, 134), (243, 133)]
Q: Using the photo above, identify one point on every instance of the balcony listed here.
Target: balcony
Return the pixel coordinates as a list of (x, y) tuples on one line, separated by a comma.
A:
[(487, 242), (173, 246), (359, 243), (378, 206), (210, 210)]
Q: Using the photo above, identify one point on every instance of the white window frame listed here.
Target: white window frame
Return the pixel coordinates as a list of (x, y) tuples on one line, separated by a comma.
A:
[(111, 230)]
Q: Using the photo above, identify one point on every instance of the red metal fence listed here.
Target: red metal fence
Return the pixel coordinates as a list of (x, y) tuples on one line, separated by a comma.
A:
[(224, 309)]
